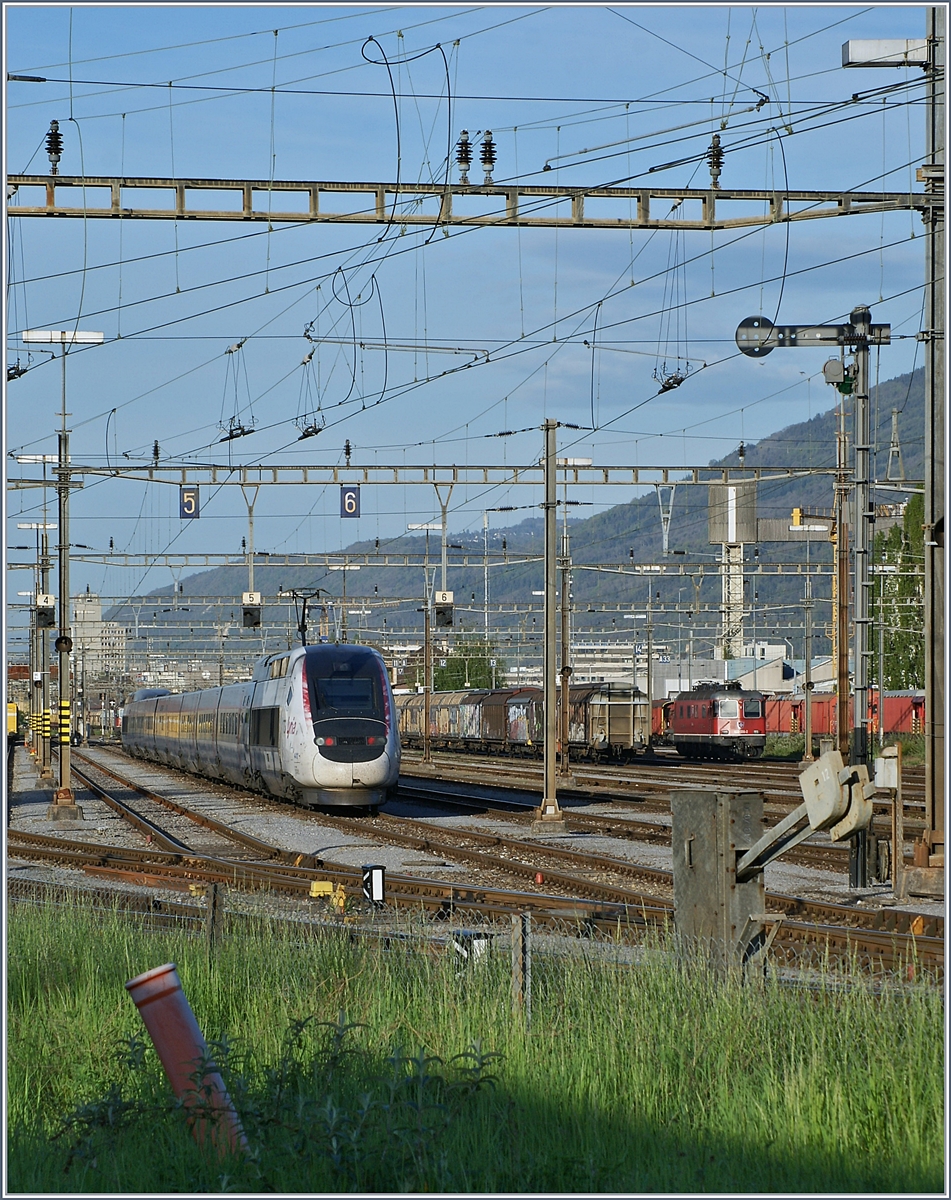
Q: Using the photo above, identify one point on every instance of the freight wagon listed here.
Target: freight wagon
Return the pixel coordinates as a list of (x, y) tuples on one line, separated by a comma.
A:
[(901, 712), (606, 720)]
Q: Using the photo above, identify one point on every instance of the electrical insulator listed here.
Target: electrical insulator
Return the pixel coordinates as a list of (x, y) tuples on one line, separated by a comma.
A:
[(715, 160), (54, 147), (464, 157), (487, 157)]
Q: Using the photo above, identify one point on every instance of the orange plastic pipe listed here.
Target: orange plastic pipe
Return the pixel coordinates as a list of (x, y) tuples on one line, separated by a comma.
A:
[(182, 1050)]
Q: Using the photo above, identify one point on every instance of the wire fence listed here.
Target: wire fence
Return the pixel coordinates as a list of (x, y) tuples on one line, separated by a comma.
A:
[(219, 915)]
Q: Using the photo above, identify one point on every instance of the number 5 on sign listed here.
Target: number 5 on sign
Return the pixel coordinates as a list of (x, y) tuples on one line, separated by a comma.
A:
[(188, 503), (349, 500)]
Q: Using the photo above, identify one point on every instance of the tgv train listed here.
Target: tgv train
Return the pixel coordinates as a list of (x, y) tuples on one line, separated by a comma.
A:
[(316, 725)]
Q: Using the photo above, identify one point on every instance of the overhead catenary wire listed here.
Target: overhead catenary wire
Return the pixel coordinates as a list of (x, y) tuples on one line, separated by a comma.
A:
[(655, 97), (461, 232), (787, 238), (585, 308)]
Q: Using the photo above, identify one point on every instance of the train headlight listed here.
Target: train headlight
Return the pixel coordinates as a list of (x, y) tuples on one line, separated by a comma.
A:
[(324, 741)]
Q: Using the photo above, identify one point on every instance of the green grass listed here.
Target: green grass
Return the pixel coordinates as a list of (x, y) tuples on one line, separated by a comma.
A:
[(785, 745), (790, 746), (639, 1078), (912, 747)]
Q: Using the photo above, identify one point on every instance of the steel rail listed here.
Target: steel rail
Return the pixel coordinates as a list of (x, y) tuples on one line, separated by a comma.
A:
[(184, 869), (265, 849), (444, 844), (890, 948), (653, 784), (607, 826)]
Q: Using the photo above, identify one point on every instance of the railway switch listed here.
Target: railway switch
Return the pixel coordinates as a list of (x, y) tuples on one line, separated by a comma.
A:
[(720, 853)]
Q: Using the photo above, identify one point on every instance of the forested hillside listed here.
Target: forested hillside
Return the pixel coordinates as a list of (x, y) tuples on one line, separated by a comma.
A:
[(611, 536)]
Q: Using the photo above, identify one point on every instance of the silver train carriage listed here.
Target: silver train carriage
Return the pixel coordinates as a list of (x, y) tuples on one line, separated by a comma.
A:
[(316, 725)]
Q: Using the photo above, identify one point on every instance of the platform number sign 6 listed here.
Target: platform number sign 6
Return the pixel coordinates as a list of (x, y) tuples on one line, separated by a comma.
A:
[(349, 500), (188, 503)]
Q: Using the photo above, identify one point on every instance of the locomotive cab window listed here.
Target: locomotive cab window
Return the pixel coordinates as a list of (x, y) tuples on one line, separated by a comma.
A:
[(728, 708), (752, 708), (348, 683)]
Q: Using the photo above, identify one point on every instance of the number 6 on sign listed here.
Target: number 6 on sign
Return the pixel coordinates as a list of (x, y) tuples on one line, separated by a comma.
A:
[(188, 503), (349, 500)]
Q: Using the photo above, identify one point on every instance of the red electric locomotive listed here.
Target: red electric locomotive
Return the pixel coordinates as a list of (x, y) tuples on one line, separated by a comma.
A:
[(716, 720)]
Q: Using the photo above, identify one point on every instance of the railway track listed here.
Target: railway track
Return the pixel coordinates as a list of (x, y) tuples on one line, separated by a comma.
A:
[(831, 856), (647, 786), (806, 941), (585, 888), (494, 853)]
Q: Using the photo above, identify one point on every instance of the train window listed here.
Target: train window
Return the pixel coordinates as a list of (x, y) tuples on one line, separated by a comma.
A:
[(347, 681), (265, 723), (728, 708), (228, 723), (752, 708), (278, 668)]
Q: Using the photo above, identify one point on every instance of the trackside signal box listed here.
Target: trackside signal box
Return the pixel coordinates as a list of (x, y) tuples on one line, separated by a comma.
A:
[(251, 610), (45, 611), (719, 915), (443, 608)]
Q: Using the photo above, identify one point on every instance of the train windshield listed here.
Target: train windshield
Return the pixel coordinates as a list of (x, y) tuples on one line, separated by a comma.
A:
[(728, 708), (752, 708), (345, 681)]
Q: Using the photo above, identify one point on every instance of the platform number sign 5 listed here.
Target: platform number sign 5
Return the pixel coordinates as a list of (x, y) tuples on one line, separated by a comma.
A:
[(349, 500), (188, 503)]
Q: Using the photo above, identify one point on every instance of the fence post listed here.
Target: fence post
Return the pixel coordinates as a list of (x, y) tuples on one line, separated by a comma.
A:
[(522, 965), (212, 916)]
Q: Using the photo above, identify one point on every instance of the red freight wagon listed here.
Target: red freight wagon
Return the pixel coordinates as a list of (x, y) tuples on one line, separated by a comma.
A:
[(904, 712), (660, 719), (787, 714)]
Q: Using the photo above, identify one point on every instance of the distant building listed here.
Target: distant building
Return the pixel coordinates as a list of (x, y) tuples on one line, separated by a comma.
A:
[(99, 647)]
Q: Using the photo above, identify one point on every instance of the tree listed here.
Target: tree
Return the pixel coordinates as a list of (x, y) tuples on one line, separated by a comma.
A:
[(468, 665), (898, 599)]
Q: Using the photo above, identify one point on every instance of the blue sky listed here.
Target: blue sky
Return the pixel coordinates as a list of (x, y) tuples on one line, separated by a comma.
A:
[(602, 94)]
